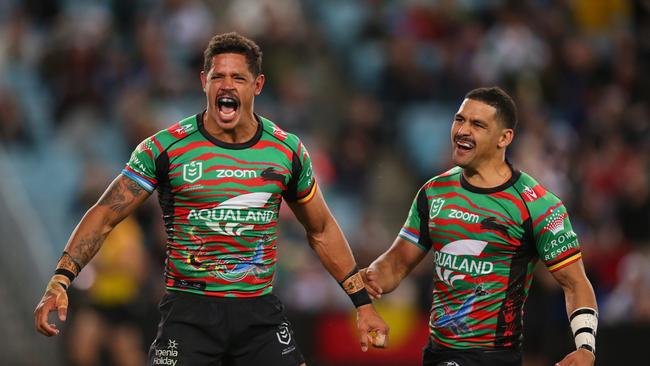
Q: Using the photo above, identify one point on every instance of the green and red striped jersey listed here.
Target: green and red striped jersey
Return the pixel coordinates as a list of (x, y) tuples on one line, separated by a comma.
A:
[(485, 245), (221, 202)]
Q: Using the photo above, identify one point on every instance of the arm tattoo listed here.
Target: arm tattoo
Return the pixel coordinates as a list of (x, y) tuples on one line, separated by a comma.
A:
[(134, 188), (67, 262), (86, 248), (120, 194)]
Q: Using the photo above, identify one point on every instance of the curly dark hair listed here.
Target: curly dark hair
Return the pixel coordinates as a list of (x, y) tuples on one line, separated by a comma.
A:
[(500, 100), (234, 43)]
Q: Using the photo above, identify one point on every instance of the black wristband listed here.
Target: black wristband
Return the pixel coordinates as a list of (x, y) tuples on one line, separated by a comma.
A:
[(355, 288), (65, 272), (360, 298)]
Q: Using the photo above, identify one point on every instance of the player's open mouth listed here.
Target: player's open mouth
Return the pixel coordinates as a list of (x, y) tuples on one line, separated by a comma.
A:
[(227, 107), (464, 144)]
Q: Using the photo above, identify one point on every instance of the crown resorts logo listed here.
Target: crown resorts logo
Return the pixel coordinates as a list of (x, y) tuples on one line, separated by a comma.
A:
[(555, 222)]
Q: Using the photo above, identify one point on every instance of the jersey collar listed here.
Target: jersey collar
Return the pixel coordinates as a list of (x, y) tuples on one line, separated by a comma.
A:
[(513, 178), (227, 145)]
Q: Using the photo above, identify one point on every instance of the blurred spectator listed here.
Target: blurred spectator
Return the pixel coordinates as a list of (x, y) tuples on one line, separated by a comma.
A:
[(371, 86)]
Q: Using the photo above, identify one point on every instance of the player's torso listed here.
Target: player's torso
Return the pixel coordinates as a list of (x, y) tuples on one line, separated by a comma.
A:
[(481, 264), (220, 205)]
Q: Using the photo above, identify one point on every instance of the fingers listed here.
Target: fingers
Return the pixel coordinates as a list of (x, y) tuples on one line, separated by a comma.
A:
[(363, 334), (62, 306), (379, 339), (370, 278), (372, 329), (41, 319)]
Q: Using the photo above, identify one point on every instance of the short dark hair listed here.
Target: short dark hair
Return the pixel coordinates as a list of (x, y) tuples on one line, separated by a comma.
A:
[(500, 100), (234, 43)]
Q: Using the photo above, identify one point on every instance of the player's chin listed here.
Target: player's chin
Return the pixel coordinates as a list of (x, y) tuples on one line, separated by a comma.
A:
[(462, 159), (228, 124)]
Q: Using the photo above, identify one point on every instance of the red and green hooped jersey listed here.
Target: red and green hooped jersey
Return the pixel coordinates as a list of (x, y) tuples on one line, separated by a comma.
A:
[(221, 202), (485, 244)]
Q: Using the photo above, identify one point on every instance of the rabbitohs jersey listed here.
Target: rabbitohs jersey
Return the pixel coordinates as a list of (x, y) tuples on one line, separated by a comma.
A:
[(220, 203), (485, 244)]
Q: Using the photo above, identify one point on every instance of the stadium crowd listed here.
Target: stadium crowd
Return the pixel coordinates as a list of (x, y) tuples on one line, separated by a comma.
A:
[(371, 87)]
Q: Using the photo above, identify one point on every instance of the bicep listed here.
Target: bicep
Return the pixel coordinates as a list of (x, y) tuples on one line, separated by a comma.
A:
[(122, 197), (571, 276), (313, 215)]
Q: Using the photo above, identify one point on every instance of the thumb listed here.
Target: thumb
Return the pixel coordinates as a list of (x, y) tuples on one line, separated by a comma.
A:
[(364, 339), (370, 273)]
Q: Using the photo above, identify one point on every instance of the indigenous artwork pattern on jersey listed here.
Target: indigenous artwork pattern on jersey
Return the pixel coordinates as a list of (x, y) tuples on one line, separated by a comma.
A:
[(221, 203), (485, 244)]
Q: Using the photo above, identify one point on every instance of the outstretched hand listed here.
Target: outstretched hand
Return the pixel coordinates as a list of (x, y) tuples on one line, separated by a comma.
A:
[(54, 299), (372, 328), (580, 357), (371, 279)]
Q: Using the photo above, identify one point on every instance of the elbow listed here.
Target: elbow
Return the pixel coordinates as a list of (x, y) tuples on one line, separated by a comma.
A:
[(316, 240), (104, 216)]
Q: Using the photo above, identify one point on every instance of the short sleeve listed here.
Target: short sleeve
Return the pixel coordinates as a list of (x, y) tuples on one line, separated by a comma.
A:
[(141, 167), (556, 242), (416, 227), (302, 185)]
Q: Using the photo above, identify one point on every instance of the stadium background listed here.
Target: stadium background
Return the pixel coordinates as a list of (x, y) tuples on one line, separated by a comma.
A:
[(371, 87)]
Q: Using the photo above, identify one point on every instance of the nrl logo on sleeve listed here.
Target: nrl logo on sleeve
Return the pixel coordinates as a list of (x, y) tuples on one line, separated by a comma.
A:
[(436, 206), (192, 171)]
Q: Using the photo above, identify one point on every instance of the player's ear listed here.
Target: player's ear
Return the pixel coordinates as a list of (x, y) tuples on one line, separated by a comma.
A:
[(259, 83), (505, 138), (204, 78)]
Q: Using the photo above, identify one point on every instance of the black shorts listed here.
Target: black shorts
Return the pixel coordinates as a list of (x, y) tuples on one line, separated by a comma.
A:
[(436, 356), (198, 330)]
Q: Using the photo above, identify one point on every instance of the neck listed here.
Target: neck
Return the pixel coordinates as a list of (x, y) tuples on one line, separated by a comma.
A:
[(488, 175), (242, 132)]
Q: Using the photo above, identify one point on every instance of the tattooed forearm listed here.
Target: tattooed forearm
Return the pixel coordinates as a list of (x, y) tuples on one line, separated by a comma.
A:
[(114, 197), (68, 263), (86, 248)]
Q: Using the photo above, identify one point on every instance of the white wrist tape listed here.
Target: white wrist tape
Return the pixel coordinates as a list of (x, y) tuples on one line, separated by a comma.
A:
[(584, 323)]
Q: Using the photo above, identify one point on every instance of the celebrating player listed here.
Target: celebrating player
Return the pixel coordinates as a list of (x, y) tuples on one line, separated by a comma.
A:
[(487, 224), (221, 175)]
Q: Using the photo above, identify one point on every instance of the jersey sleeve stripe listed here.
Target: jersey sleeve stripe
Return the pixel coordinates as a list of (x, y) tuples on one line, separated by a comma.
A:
[(142, 182), (310, 195), (565, 262), (411, 239), (562, 257), (409, 236)]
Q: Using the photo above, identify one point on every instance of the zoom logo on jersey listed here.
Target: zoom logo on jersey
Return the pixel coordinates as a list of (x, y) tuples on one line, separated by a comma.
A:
[(192, 171), (462, 215), (236, 173), (452, 258)]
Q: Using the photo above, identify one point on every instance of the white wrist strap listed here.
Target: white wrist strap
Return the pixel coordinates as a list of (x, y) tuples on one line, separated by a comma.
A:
[(584, 323)]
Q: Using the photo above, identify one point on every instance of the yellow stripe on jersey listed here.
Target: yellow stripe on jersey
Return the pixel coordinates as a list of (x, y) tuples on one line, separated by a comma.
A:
[(565, 262), (310, 195)]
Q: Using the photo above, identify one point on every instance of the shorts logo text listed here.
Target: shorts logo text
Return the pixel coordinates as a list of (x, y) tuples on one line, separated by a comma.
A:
[(167, 355)]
